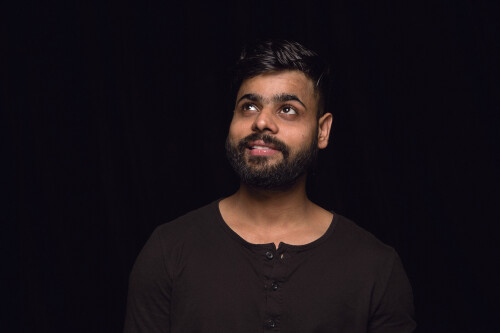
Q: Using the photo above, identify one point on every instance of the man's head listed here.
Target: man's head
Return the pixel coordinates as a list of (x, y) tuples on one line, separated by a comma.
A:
[(279, 119)]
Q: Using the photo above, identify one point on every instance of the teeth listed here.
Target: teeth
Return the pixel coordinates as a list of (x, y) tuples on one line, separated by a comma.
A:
[(260, 147)]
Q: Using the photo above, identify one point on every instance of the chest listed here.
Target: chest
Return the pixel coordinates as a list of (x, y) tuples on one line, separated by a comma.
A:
[(251, 289)]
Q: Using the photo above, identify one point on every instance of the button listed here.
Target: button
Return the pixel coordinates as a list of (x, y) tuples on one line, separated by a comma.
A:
[(269, 255), (274, 286), (270, 323)]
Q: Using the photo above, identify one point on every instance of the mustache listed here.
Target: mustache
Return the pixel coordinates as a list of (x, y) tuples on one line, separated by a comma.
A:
[(280, 145)]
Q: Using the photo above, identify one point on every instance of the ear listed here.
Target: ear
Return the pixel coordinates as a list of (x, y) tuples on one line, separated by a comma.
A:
[(324, 126)]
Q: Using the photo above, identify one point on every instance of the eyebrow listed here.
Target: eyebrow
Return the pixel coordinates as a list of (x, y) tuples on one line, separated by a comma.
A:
[(276, 98)]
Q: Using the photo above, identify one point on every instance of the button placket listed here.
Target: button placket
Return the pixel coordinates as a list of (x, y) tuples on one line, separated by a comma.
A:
[(274, 277)]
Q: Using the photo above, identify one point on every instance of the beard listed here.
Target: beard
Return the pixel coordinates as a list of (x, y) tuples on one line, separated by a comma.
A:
[(259, 172)]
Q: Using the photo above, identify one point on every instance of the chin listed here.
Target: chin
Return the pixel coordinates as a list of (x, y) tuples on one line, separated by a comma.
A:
[(262, 160)]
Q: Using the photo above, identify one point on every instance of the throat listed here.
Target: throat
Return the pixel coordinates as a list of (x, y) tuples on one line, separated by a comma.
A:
[(288, 228)]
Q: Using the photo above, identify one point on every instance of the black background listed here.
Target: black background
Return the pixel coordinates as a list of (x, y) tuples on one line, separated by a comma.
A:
[(118, 112)]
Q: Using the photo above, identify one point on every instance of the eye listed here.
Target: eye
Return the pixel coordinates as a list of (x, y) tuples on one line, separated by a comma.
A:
[(288, 110), (249, 107)]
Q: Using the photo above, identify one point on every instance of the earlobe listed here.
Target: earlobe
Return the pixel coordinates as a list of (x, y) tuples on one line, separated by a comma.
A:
[(324, 126)]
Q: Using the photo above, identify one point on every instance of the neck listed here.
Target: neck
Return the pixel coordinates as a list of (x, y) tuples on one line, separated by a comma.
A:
[(273, 207)]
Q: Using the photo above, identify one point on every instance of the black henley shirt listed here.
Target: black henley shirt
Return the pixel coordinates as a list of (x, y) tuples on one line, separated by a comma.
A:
[(195, 274)]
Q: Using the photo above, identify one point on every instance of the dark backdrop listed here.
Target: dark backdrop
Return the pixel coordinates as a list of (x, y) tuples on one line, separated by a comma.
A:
[(117, 114)]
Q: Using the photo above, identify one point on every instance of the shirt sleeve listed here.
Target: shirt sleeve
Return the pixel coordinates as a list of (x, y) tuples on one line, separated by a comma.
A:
[(395, 312), (148, 301)]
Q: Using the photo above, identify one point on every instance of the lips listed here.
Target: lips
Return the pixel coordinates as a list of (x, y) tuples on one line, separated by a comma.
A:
[(260, 148), (260, 144)]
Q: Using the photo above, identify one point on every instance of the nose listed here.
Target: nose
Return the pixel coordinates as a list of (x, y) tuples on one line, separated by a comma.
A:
[(264, 122)]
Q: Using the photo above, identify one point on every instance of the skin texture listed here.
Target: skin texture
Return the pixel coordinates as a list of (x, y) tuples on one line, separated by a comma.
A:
[(283, 105)]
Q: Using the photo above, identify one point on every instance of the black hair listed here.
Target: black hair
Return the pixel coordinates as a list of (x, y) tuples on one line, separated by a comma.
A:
[(279, 55)]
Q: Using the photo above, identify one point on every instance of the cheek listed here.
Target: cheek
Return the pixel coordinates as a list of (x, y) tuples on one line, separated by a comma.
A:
[(233, 129), (240, 127), (298, 140), (296, 136), (236, 132)]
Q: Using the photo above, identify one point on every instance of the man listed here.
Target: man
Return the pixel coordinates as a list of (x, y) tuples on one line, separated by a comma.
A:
[(267, 258)]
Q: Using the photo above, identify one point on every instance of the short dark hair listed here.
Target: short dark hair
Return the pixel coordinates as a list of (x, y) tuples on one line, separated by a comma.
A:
[(279, 55)]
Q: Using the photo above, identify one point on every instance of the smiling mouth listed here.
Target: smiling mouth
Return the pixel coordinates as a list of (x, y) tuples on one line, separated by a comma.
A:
[(261, 145), (262, 149)]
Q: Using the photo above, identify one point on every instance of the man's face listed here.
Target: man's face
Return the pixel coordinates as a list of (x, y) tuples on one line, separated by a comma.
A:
[(275, 133)]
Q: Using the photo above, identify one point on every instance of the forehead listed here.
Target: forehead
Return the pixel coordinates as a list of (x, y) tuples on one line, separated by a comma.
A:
[(282, 82)]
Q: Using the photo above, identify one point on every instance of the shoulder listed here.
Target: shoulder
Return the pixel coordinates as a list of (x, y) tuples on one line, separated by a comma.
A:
[(190, 224), (172, 241), (366, 259), (361, 245), (381, 271)]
